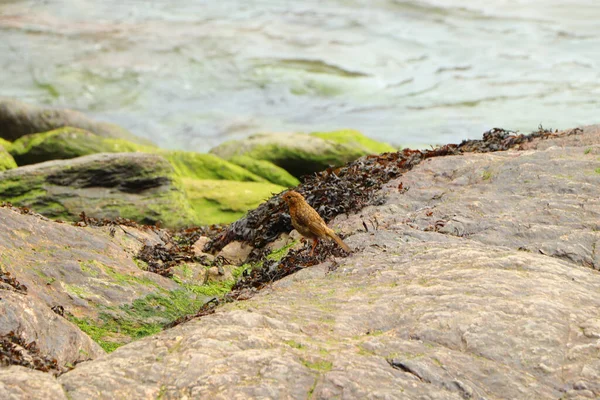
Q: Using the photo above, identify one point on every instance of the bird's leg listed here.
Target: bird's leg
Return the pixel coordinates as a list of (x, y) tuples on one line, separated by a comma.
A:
[(315, 241)]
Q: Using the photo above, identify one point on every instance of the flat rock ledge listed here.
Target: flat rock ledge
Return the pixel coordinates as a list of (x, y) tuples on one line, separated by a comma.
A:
[(481, 281)]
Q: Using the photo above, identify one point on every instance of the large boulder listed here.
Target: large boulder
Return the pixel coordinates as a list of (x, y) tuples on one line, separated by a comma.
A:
[(138, 186), (18, 119), (477, 279), (89, 273), (299, 154)]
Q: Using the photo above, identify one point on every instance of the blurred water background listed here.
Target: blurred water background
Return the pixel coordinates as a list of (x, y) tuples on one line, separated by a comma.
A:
[(191, 74)]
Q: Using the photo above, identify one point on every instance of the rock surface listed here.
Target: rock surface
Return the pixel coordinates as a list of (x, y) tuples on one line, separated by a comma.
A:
[(18, 119), (477, 279)]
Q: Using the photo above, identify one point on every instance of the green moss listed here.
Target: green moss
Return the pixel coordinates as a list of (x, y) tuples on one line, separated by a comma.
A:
[(6, 160), (355, 139), (89, 268), (282, 252), (125, 278), (267, 170), (321, 366), (98, 333), (587, 151), (486, 175), (141, 264), (117, 326), (597, 170), (161, 392), (5, 143), (294, 344), (216, 201), (213, 289), (79, 291), (166, 307), (207, 166), (28, 191)]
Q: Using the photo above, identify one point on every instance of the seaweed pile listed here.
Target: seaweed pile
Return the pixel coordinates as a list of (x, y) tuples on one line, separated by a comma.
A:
[(14, 351), (7, 278), (354, 186)]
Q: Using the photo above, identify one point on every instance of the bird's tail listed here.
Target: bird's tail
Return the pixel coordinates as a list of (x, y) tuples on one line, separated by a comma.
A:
[(339, 241)]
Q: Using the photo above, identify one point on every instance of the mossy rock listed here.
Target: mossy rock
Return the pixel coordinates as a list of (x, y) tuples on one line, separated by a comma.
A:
[(207, 166), (219, 201), (138, 186), (297, 153), (66, 143), (267, 170), (357, 140), (6, 160), (18, 119), (301, 154)]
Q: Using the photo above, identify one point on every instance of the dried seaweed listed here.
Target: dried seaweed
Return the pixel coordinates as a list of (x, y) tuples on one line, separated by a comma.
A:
[(15, 351), (7, 278)]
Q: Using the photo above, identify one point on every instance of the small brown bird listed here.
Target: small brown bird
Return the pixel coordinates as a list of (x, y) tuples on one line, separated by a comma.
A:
[(308, 222)]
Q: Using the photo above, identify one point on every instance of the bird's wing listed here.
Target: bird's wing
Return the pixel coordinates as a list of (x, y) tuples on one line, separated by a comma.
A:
[(311, 219)]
